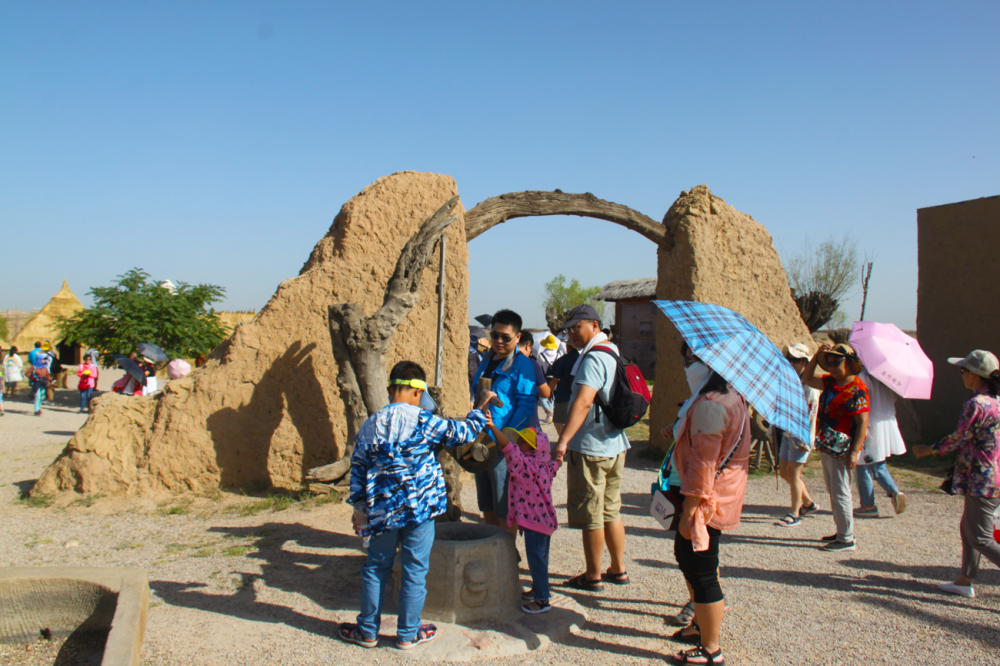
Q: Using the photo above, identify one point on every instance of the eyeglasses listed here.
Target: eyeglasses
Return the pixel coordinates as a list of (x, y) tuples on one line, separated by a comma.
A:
[(501, 336)]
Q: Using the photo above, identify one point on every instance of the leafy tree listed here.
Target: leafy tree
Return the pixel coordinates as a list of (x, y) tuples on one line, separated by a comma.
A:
[(560, 299), (137, 309), (821, 277)]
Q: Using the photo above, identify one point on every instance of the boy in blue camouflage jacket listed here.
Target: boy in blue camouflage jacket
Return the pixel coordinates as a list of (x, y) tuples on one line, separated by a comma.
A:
[(397, 486)]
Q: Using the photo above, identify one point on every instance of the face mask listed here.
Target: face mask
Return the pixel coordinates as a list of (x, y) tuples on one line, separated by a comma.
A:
[(697, 374)]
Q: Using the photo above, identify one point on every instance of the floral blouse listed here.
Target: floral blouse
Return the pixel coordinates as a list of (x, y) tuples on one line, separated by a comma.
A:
[(977, 442), (838, 405)]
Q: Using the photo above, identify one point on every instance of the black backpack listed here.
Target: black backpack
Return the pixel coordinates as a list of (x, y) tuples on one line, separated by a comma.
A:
[(629, 393)]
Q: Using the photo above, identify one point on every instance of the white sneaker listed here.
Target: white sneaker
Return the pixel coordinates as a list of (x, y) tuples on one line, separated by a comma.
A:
[(960, 590), (899, 502)]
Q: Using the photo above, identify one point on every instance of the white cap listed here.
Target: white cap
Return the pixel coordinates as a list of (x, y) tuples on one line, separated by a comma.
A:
[(797, 350), (979, 362)]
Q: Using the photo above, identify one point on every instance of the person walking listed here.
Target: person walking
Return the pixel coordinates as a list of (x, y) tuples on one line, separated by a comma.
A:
[(515, 384), (843, 417), (13, 368), (560, 376), (88, 373), (793, 453), (884, 440), (397, 488), (596, 454), (548, 353), (712, 459), (976, 444)]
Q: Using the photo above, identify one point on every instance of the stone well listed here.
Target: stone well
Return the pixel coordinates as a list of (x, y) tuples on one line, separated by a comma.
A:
[(473, 575)]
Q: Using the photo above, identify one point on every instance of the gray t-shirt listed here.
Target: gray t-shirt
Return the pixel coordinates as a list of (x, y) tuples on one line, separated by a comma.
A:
[(597, 370)]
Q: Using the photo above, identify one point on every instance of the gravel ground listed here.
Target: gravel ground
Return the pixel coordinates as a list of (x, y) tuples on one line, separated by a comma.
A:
[(239, 580)]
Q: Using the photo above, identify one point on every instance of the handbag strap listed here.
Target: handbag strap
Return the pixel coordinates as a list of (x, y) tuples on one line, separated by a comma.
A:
[(739, 440)]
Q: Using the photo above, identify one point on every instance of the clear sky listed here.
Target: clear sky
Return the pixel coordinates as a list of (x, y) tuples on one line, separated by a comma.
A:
[(215, 142)]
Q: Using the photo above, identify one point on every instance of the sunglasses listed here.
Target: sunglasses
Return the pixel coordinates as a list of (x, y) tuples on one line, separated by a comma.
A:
[(501, 336), (834, 360)]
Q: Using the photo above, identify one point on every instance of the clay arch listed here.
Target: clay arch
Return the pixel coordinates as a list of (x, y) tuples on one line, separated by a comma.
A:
[(497, 210)]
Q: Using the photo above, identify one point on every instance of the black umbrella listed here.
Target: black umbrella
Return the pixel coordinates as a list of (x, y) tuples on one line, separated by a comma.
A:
[(485, 319), (476, 333), (131, 367), (152, 352)]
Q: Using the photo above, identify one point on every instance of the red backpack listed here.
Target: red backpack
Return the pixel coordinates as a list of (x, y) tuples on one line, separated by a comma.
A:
[(629, 393)]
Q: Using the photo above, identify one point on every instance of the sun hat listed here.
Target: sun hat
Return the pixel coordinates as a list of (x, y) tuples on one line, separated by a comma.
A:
[(550, 342), (528, 435), (578, 314), (979, 362), (797, 350), (844, 349)]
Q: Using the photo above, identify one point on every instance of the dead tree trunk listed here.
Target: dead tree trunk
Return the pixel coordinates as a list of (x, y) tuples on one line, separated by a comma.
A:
[(359, 342), (496, 210)]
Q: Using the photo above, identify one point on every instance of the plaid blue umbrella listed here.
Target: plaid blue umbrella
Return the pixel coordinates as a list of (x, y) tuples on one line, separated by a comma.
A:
[(730, 345)]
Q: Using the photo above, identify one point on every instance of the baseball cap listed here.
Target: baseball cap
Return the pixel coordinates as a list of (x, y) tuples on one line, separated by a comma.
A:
[(979, 362), (797, 350), (578, 314), (528, 435), (550, 342)]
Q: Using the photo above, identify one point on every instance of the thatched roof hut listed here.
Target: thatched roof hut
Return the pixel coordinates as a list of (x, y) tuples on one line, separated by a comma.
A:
[(42, 326), (628, 290)]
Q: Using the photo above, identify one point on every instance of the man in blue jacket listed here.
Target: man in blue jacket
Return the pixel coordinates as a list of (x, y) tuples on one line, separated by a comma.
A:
[(514, 382)]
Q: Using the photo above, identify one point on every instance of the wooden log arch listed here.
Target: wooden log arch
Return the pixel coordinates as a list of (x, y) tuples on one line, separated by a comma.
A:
[(497, 210)]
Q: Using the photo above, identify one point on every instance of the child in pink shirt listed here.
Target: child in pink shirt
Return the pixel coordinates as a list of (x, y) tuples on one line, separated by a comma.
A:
[(531, 470)]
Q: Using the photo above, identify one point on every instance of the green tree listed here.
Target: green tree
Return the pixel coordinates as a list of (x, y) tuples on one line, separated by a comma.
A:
[(820, 277), (137, 309), (560, 298)]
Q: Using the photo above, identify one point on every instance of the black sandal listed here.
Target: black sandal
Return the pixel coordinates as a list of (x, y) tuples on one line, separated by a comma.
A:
[(616, 578), (581, 582), (688, 639), (700, 656)]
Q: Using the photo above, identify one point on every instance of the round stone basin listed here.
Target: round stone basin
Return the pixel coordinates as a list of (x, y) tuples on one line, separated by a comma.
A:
[(473, 574)]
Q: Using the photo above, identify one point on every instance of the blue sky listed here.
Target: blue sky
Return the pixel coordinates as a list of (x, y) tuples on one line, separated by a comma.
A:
[(215, 142)]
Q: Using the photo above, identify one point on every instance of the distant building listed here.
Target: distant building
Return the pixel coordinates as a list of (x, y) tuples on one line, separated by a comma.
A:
[(635, 320), (42, 326)]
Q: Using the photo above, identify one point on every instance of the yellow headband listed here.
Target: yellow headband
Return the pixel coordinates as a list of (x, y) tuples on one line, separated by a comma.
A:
[(412, 383)]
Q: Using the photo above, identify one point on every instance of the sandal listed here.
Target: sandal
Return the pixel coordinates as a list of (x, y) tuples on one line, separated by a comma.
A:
[(700, 655), (688, 639), (351, 633), (425, 634), (683, 618), (528, 595), (581, 582), (806, 510), (535, 607), (616, 578), (789, 520)]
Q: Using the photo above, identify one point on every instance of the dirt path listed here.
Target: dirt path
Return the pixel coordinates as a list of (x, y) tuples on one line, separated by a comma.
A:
[(240, 580)]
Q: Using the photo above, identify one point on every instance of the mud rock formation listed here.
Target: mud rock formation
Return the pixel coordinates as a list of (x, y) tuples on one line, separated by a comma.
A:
[(719, 256), (266, 406)]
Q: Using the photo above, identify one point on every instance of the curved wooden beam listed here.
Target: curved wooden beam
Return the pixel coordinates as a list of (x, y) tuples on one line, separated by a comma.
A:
[(497, 210)]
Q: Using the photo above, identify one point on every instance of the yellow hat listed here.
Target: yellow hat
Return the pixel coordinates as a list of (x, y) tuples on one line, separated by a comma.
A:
[(528, 435), (46, 346), (550, 342)]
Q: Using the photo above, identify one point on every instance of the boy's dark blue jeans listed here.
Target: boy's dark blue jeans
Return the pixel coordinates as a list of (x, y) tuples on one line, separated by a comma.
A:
[(536, 546), (415, 548)]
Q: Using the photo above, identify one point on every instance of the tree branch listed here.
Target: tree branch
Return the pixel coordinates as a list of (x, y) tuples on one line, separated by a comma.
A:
[(497, 210)]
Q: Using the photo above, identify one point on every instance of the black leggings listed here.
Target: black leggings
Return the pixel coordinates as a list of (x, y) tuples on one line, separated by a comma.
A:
[(701, 569)]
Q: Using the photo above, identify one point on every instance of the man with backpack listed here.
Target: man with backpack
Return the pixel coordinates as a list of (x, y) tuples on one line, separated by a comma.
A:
[(596, 451)]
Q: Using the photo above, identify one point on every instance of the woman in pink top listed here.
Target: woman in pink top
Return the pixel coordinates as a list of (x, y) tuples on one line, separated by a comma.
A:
[(530, 508), (712, 456), (87, 372)]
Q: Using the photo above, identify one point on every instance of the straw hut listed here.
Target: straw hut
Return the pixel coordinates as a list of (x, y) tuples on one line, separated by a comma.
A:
[(635, 320), (42, 326)]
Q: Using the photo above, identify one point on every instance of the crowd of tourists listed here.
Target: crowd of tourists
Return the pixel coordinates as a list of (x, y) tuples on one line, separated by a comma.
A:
[(397, 486)]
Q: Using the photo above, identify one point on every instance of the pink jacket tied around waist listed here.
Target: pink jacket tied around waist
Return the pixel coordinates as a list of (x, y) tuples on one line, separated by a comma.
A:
[(708, 432), (531, 474)]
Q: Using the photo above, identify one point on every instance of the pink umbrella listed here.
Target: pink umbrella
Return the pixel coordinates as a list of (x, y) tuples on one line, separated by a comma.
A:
[(893, 358), (177, 368)]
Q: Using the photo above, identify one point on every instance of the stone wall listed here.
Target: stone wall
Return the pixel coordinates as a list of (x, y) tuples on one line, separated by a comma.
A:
[(958, 264), (719, 256), (266, 405)]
